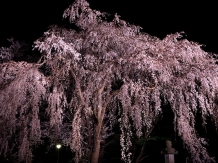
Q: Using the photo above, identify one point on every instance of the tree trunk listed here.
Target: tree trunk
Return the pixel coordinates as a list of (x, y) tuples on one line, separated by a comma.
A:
[(97, 142), (99, 112), (101, 154)]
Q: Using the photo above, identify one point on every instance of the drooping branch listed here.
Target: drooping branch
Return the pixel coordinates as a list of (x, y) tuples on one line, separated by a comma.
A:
[(78, 87), (102, 63)]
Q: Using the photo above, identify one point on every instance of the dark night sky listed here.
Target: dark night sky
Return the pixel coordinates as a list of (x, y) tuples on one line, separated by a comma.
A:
[(27, 20)]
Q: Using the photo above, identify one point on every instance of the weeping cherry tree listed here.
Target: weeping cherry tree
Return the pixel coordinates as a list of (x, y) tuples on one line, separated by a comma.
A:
[(102, 73)]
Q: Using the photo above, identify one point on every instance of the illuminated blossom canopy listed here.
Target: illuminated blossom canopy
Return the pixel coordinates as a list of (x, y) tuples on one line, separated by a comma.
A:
[(101, 73)]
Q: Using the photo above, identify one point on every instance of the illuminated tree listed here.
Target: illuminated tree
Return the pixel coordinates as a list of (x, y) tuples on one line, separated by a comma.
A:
[(99, 74)]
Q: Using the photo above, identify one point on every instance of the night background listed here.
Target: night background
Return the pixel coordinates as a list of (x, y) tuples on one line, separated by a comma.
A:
[(27, 20)]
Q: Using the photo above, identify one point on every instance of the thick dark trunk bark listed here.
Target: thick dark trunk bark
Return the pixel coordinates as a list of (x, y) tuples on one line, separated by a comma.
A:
[(101, 154), (96, 143), (99, 112)]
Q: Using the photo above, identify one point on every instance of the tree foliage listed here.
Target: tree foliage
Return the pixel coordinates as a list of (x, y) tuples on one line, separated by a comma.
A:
[(16, 50), (102, 73)]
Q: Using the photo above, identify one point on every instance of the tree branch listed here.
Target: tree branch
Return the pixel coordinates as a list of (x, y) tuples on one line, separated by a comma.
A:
[(97, 99), (78, 87)]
